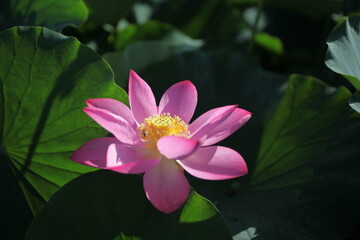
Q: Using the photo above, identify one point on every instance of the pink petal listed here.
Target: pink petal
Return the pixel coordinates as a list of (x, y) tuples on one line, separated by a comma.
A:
[(117, 125), (224, 129), (202, 126), (215, 163), (93, 153), (113, 106), (175, 147), (142, 100), (166, 186), (180, 99), (126, 159)]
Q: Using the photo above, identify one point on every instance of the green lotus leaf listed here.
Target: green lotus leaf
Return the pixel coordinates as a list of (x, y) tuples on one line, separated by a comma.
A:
[(45, 79), (52, 14), (104, 204), (343, 55)]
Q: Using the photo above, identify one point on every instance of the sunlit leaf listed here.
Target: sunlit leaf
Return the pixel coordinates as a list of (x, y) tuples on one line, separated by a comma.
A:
[(270, 43), (343, 55), (45, 80)]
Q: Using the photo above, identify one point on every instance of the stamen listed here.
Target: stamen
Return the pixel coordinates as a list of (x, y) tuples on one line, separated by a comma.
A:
[(157, 126)]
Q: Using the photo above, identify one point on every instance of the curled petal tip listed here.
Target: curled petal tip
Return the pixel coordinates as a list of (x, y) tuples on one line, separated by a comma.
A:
[(188, 82), (141, 98), (133, 73), (247, 112)]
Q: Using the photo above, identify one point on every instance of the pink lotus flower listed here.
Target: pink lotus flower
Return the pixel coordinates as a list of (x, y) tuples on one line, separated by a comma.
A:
[(160, 142)]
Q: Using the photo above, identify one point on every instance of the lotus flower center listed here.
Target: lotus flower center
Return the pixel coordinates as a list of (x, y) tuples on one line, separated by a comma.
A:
[(157, 126)]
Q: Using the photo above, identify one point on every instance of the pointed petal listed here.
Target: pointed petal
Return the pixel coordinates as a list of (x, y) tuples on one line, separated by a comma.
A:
[(224, 129), (117, 125), (215, 163), (113, 106), (166, 186), (93, 153), (207, 122), (126, 159), (175, 147), (180, 99), (142, 100)]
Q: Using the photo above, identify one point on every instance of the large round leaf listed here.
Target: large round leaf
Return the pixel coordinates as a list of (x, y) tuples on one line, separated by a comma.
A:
[(305, 181), (45, 80), (51, 14), (104, 204)]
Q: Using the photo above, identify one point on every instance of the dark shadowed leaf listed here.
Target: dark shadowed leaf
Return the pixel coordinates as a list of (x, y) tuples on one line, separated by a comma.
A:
[(139, 55), (15, 214), (103, 204), (108, 11), (52, 14), (211, 19), (308, 7), (351, 7), (306, 173)]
